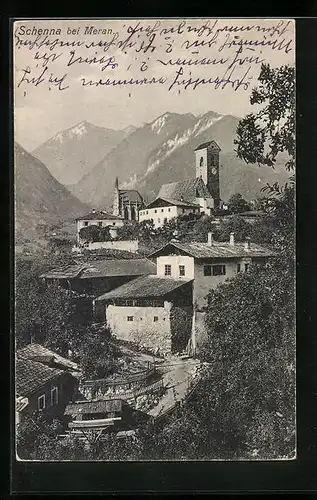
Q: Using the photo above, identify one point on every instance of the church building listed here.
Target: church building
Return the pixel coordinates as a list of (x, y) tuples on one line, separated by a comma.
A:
[(197, 194), (126, 203)]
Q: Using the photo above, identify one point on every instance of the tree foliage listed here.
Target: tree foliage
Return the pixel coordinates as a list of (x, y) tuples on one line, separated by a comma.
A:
[(262, 136), (237, 204), (94, 233)]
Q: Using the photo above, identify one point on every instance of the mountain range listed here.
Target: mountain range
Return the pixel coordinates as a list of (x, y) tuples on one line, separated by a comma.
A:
[(163, 151), (39, 197), (71, 154), (76, 169)]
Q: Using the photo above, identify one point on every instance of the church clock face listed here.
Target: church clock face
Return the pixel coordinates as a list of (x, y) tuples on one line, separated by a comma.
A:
[(214, 170)]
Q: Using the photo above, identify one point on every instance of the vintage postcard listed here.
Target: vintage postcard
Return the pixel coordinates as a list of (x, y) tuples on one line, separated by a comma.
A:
[(154, 175)]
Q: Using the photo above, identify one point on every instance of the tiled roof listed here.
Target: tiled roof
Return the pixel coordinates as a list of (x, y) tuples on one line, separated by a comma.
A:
[(186, 190), (104, 268), (203, 250), (130, 195), (103, 406), (171, 201), (99, 215), (145, 286), (206, 144), (40, 353), (31, 376)]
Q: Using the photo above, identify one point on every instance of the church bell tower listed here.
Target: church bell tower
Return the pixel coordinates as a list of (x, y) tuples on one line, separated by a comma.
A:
[(207, 167)]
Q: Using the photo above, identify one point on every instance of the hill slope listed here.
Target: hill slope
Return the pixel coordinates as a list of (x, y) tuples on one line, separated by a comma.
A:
[(72, 153), (39, 198)]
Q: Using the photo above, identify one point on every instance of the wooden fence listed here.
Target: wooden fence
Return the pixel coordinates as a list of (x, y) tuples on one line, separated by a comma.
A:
[(136, 393), (130, 379)]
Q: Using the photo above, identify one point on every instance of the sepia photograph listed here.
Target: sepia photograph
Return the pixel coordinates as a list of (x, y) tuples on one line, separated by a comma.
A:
[(154, 239)]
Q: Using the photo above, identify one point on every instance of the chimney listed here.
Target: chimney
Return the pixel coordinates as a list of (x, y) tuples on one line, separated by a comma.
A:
[(231, 239), (210, 239), (247, 244)]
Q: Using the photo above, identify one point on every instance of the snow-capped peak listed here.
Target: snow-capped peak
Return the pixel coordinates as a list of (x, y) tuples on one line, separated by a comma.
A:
[(159, 123)]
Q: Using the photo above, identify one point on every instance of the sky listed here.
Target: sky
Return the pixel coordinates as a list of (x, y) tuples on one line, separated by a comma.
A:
[(42, 110)]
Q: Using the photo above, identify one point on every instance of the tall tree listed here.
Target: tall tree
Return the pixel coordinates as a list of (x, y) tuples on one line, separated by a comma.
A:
[(263, 135)]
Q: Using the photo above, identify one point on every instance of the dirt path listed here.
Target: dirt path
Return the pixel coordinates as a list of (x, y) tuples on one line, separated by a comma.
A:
[(176, 381)]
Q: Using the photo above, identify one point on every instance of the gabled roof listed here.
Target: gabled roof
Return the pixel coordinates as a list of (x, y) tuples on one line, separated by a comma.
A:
[(217, 250), (103, 406), (170, 201), (103, 269), (99, 215), (130, 195), (186, 190), (146, 286), (37, 352), (208, 144), (31, 376)]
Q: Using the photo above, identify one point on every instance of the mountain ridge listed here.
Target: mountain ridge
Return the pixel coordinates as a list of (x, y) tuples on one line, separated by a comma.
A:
[(73, 152), (39, 197)]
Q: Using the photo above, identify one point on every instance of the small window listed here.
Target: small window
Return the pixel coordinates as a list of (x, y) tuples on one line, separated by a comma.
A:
[(86, 223), (113, 223), (130, 318), (100, 224), (246, 267), (147, 212), (168, 269), (218, 270), (54, 396), (162, 209), (155, 211), (41, 402), (207, 270), (183, 210), (155, 319), (165, 220), (169, 209), (238, 268), (182, 270)]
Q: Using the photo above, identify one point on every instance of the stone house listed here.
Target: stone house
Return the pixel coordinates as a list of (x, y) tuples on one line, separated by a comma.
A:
[(98, 218), (167, 310), (90, 279), (44, 381), (154, 311), (207, 265), (162, 210)]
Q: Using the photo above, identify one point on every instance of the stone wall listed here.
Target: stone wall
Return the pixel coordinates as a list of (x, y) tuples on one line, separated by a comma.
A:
[(127, 245), (203, 284), (149, 327)]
